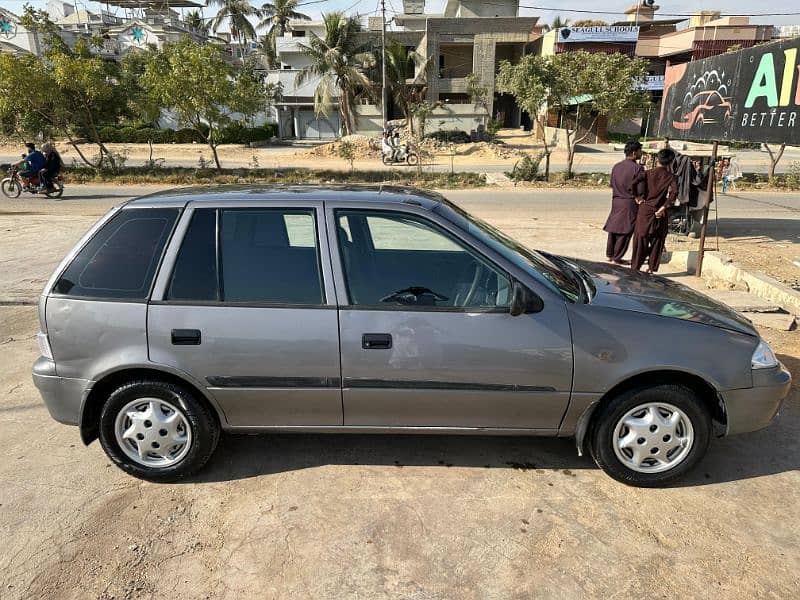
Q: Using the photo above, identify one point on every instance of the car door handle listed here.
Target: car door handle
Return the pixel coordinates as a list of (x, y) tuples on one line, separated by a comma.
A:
[(186, 337), (376, 341)]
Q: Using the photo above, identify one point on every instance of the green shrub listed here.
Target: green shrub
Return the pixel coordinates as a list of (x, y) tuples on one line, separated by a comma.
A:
[(450, 137), (527, 168), (109, 134), (235, 133)]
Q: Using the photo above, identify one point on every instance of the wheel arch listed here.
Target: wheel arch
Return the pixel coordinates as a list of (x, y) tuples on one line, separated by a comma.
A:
[(98, 394), (705, 391)]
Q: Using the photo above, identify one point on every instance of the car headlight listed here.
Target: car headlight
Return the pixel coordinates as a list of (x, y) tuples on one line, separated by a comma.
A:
[(764, 357)]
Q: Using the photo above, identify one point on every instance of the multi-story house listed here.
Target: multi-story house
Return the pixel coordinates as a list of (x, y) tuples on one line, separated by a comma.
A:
[(469, 36)]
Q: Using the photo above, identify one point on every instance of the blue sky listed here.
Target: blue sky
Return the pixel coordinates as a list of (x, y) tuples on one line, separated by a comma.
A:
[(314, 8)]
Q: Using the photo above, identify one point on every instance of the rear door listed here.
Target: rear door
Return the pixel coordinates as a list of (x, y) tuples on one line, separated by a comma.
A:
[(426, 335), (245, 306)]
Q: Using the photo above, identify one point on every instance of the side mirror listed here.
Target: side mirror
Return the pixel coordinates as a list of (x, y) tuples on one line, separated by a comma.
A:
[(524, 301)]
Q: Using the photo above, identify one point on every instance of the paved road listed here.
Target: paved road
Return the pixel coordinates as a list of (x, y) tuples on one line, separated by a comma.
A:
[(538, 218)]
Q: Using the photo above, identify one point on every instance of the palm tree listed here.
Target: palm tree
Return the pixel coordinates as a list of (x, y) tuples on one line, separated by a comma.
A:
[(236, 13), (558, 23), (340, 61), (276, 15), (401, 65), (196, 21)]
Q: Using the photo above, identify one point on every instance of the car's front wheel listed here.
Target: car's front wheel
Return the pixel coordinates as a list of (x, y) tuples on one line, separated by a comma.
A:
[(157, 431), (651, 436)]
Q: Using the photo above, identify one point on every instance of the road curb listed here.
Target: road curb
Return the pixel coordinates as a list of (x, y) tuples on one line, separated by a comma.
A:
[(717, 265)]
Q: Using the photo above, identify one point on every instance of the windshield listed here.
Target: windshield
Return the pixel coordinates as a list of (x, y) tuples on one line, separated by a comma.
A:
[(541, 267)]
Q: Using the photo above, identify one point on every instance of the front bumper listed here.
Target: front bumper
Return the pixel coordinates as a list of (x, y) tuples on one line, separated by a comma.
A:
[(754, 408), (61, 395)]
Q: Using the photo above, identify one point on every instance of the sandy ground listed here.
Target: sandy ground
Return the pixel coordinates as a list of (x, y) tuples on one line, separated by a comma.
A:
[(424, 517), (469, 157)]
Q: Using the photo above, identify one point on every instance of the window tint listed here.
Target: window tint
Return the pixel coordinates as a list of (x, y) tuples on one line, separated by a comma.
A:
[(195, 273), (396, 259), (121, 259), (270, 255)]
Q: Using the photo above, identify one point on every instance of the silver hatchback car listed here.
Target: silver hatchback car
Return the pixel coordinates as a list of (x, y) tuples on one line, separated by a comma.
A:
[(375, 310)]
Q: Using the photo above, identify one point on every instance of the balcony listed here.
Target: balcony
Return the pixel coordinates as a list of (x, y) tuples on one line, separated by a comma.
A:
[(287, 80), (289, 45)]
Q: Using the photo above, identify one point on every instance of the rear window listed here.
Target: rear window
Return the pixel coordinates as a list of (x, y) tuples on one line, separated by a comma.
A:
[(120, 261)]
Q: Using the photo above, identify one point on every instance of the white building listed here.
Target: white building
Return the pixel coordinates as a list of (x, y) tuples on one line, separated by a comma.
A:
[(469, 36)]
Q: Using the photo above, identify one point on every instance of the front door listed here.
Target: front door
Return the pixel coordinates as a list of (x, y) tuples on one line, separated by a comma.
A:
[(426, 335), (246, 313)]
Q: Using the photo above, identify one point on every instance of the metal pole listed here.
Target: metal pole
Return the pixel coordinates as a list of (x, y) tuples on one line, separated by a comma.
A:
[(709, 199), (383, 62)]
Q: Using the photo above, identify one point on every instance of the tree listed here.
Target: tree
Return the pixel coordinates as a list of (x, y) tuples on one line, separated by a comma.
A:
[(237, 13), (196, 21), (774, 158), (589, 23), (340, 62), (421, 110), (203, 90), (557, 23), (477, 92), (68, 92), (401, 65), (529, 81), (580, 86), (347, 151), (276, 16)]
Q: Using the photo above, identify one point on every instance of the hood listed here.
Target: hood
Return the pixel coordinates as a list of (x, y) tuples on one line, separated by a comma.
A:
[(624, 289)]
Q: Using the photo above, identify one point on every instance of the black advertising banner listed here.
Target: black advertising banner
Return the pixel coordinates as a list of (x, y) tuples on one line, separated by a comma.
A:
[(752, 95)]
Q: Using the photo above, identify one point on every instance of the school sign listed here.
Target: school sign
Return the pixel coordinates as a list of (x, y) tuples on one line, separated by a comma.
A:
[(752, 95)]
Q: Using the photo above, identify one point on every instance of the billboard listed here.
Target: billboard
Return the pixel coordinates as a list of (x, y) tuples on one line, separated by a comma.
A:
[(752, 95), (606, 33)]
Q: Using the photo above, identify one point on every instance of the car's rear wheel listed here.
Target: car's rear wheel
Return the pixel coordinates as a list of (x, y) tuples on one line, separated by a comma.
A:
[(651, 436), (157, 431)]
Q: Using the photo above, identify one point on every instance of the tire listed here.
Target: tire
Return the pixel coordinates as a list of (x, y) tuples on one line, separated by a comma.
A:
[(10, 188), (412, 159), (199, 427), (56, 191), (386, 160), (673, 458)]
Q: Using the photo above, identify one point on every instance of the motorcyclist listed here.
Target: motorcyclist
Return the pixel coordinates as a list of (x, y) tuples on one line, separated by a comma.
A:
[(396, 144), (387, 146), (32, 162), (52, 166)]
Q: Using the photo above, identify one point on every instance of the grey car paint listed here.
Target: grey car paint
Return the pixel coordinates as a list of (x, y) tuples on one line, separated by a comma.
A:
[(619, 334), (264, 365), (455, 348)]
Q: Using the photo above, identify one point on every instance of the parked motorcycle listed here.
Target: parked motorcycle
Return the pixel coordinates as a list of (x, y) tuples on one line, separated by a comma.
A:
[(12, 186), (404, 154)]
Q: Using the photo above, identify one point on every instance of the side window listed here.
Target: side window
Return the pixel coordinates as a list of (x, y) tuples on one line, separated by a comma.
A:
[(398, 259), (263, 256), (120, 261), (195, 274)]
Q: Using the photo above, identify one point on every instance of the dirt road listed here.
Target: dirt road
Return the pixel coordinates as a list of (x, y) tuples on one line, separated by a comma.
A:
[(302, 516)]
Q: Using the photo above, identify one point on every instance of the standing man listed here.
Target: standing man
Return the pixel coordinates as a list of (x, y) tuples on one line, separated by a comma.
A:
[(622, 218), (652, 226)]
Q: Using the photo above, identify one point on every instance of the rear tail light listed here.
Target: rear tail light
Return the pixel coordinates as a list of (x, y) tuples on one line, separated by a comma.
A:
[(44, 345)]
